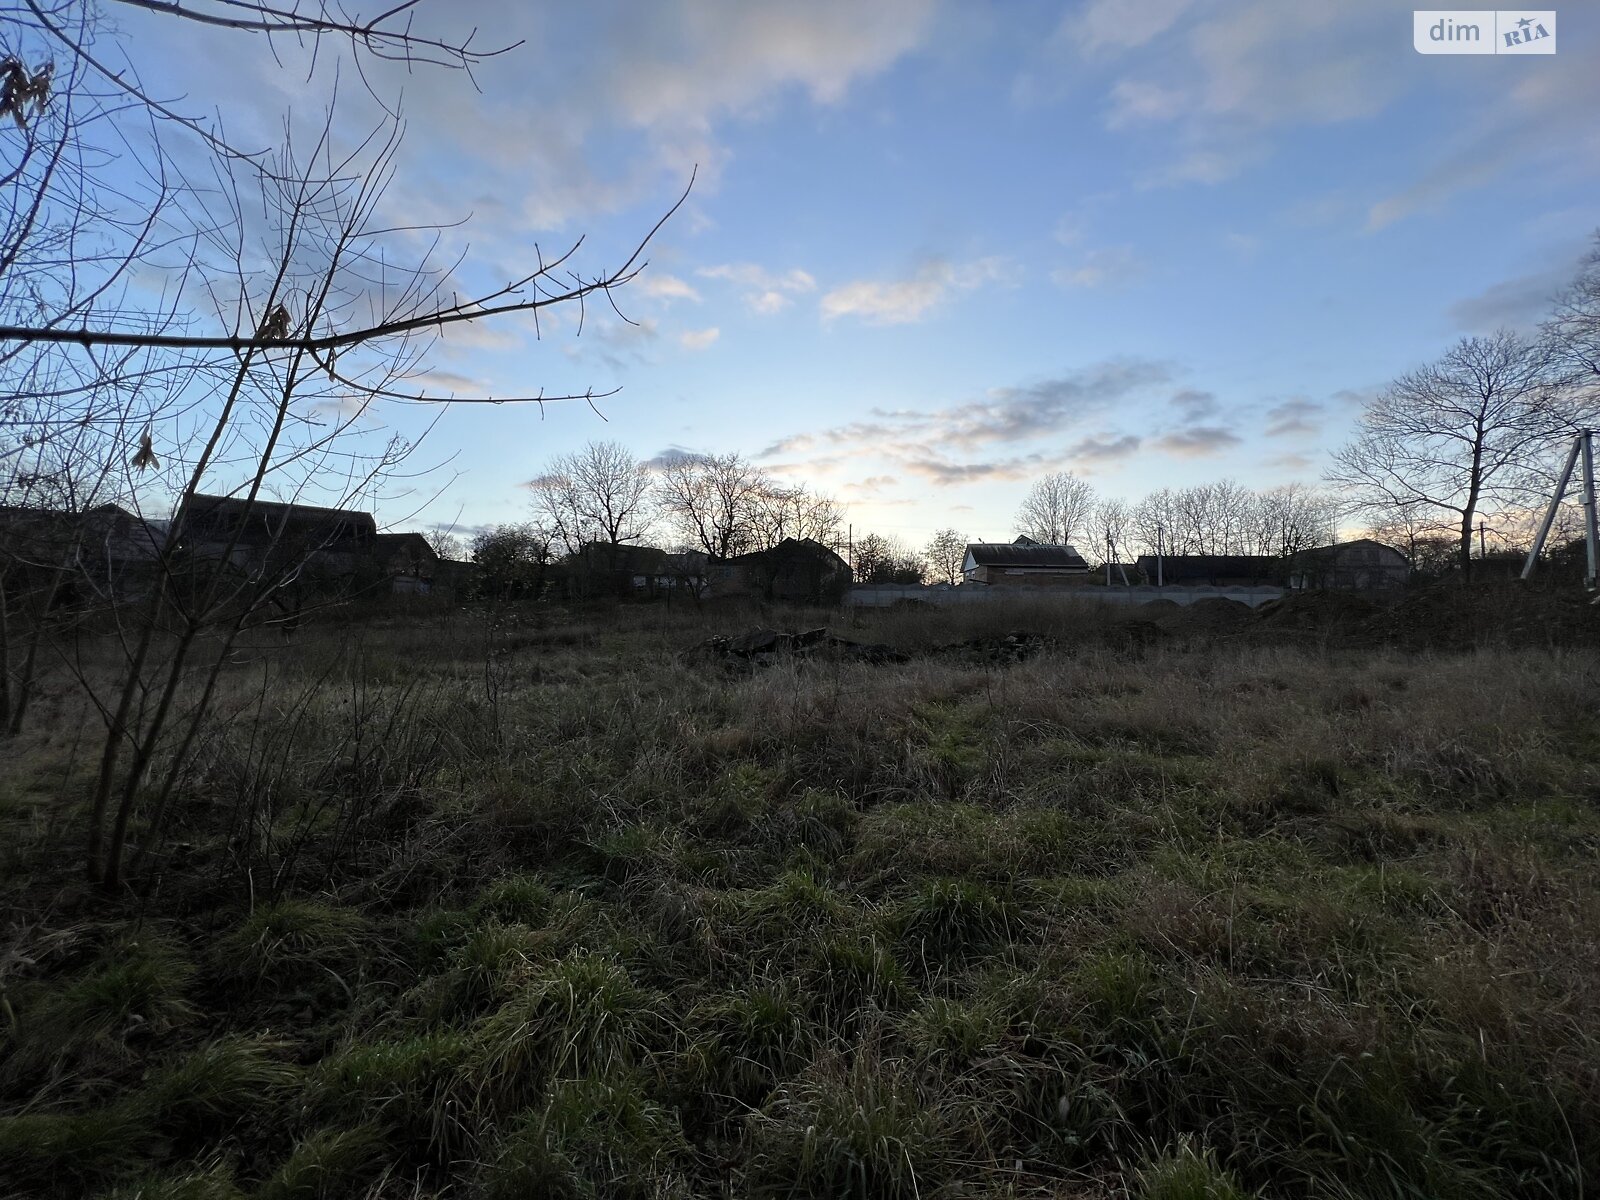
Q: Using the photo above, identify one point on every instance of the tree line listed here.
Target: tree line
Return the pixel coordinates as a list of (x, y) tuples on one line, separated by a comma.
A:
[(723, 505)]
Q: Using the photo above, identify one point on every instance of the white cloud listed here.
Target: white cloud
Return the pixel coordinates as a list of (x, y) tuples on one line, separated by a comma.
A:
[(1134, 101), (766, 292), (684, 62), (665, 287), (901, 302), (1119, 24), (1237, 75), (700, 339)]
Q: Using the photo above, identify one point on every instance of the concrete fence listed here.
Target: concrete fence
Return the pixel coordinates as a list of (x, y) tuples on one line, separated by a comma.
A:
[(873, 595)]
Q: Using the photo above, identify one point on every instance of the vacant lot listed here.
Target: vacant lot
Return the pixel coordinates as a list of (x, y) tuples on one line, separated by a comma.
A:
[(545, 905)]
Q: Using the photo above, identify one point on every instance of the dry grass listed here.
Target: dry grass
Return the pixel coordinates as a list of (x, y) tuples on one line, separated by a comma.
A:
[(552, 906)]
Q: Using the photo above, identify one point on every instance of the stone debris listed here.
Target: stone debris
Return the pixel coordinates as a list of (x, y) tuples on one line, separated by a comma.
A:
[(1008, 648), (762, 646)]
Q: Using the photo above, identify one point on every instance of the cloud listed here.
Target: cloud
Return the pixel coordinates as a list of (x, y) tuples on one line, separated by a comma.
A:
[(1546, 120), (667, 457), (1226, 84), (700, 339), (904, 301), (955, 444), (618, 344), (1104, 449), (766, 292), (1135, 102), (683, 63), (1120, 24), (1111, 265), (1194, 404), (665, 287), (946, 473), (437, 382), (1295, 416), (870, 487), (1298, 463), (1198, 441), (1519, 303)]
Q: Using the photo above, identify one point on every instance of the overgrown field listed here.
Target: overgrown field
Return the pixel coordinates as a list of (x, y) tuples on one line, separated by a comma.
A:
[(546, 906)]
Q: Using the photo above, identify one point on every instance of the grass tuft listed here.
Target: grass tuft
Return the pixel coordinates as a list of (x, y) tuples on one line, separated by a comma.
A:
[(329, 1163), (137, 991), (1188, 1174), (292, 941), (581, 1015), (592, 1139), (861, 1131)]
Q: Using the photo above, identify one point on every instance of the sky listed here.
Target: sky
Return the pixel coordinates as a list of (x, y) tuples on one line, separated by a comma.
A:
[(935, 250)]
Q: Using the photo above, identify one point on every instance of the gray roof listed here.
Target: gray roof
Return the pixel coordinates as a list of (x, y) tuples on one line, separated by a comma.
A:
[(1009, 554), (209, 508), (1338, 548)]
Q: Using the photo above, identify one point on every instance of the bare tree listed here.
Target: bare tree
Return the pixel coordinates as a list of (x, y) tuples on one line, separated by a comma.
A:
[(710, 501), (1284, 520), (598, 496), (1108, 529), (795, 511), (1056, 509), (1446, 440), (445, 543), (946, 554), (1159, 525), (883, 559), (725, 505), (1575, 325)]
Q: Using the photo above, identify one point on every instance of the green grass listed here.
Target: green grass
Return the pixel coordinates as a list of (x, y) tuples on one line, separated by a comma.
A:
[(592, 1139), (1223, 920)]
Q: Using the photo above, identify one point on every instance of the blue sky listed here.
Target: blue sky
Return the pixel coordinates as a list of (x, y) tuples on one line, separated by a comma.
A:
[(938, 249)]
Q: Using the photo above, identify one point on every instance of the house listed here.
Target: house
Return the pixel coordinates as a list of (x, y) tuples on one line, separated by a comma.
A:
[(600, 567), (1212, 570), (407, 561), (268, 535), (1023, 563), (1361, 565), (795, 571), (73, 558)]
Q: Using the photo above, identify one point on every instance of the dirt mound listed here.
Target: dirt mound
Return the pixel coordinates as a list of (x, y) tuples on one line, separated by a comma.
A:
[(1448, 615), (1213, 616), (1316, 610)]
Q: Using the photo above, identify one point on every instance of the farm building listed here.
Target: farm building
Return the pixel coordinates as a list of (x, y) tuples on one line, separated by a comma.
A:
[(1024, 563), (796, 571), (105, 552), (1360, 565)]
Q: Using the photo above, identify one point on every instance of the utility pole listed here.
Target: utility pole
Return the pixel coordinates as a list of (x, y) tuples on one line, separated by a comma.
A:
[(1582, 445)]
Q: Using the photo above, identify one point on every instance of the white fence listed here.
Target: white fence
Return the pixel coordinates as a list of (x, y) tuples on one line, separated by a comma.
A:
[(873, 595)]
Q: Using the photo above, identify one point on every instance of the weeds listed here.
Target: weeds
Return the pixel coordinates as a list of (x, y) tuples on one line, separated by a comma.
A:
[(1226, 921)]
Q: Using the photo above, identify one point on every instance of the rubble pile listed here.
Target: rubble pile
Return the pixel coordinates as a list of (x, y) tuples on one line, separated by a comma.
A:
[(762, 647)]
